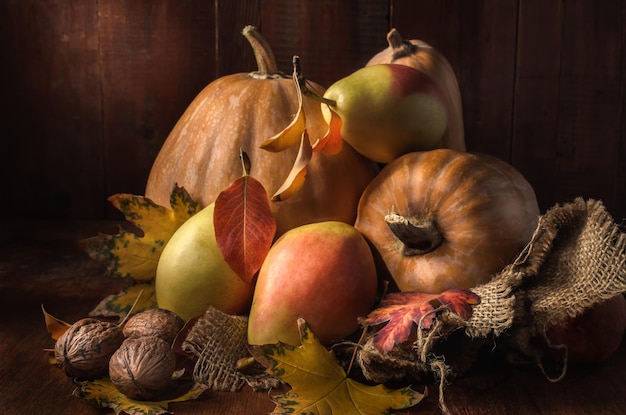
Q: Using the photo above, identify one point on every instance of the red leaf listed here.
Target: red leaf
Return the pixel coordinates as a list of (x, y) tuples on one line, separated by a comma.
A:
[(244, 225), (401, 310)]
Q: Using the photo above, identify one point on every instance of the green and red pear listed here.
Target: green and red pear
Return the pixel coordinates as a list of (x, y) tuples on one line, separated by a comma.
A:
[(387, 110)]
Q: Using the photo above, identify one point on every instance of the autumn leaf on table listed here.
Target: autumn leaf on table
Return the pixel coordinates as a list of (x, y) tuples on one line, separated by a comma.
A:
[(102, 393), (55, 327), (404, 309), (135, 255), (320, 386), (244, 224), (138, 297)]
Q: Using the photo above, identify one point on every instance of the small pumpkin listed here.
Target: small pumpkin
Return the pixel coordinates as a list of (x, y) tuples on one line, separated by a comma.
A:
[(240, 112), (422, 56), (445, 219)]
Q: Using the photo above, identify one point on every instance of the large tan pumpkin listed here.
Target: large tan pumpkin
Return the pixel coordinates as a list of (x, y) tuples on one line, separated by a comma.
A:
[(239, 112), (445, 219)]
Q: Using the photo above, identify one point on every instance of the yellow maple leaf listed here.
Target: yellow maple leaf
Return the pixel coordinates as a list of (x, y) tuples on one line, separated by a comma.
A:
[(103, 393), (135, 254), (320, 386)]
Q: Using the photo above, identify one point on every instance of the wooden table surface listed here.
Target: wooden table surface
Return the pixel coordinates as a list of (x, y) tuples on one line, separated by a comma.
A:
[(41, 264)]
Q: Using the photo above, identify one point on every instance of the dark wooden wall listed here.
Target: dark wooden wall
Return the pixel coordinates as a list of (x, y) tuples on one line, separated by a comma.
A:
[(91, 89)]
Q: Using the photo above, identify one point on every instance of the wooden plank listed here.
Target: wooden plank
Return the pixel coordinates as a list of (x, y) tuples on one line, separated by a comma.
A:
[(478, 38), (590, 113), (51, 108), (233, 53), (41, 264), (620, 185), (333, 38), (155, 57), (536, 115)]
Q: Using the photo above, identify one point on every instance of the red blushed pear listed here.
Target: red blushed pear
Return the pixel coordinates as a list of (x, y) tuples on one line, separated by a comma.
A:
[(322, 272), (387, 110)]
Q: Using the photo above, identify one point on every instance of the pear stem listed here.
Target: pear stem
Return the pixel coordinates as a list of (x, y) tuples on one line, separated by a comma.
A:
[(416, 235), (400, 48), (265, 60)]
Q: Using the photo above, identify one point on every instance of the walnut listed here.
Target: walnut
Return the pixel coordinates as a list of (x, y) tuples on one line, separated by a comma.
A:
[(142, 368), (84, 350), (157, 322)]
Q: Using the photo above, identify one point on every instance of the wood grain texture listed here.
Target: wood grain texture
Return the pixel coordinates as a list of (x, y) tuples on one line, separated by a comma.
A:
[(51, 108), (536, 116), (92, 89), (478, 38), (332, 38), (41, 264), (155, 57)]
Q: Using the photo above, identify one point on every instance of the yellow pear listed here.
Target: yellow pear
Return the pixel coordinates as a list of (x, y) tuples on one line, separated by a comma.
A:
[(192, 274)]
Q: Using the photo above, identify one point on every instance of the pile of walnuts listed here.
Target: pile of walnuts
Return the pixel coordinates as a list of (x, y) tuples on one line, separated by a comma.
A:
[(137, 356)]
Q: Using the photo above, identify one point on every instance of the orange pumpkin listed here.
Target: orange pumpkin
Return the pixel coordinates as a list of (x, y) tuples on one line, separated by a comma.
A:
[(420, 55), (444, 219), (239, 112)]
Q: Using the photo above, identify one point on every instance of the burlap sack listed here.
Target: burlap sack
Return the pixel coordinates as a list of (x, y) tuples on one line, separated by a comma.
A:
[(219, 342), (576, 258)]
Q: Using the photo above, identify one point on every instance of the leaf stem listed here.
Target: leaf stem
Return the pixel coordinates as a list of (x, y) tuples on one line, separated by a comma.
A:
[(246, 165)]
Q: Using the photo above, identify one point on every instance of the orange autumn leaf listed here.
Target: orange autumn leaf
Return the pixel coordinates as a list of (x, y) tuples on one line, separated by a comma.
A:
[(400, 311), (55, 326), (292, 133), (295, 179), (244, 225), (332, 142)]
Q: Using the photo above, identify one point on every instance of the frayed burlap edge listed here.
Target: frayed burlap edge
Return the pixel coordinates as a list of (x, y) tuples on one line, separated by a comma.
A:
[(219, 342), (575, 259)]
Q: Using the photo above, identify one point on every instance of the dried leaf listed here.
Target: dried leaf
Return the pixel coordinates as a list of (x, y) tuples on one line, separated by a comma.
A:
[(54, 326), (244, 225), (130, 255), (135, 255), (332, 142), (404, 309), (320, 386), (121, 304), (292, 133), (102, 393), (295, 179)]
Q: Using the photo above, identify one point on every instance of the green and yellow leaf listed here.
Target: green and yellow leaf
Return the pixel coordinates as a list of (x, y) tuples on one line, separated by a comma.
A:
[(320, 386), (143, 293), (102, 393), (135, 254)]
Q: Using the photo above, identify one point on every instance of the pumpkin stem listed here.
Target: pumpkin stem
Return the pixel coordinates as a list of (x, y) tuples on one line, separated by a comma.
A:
[(265, 60), (400, 48), (417, 235)]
